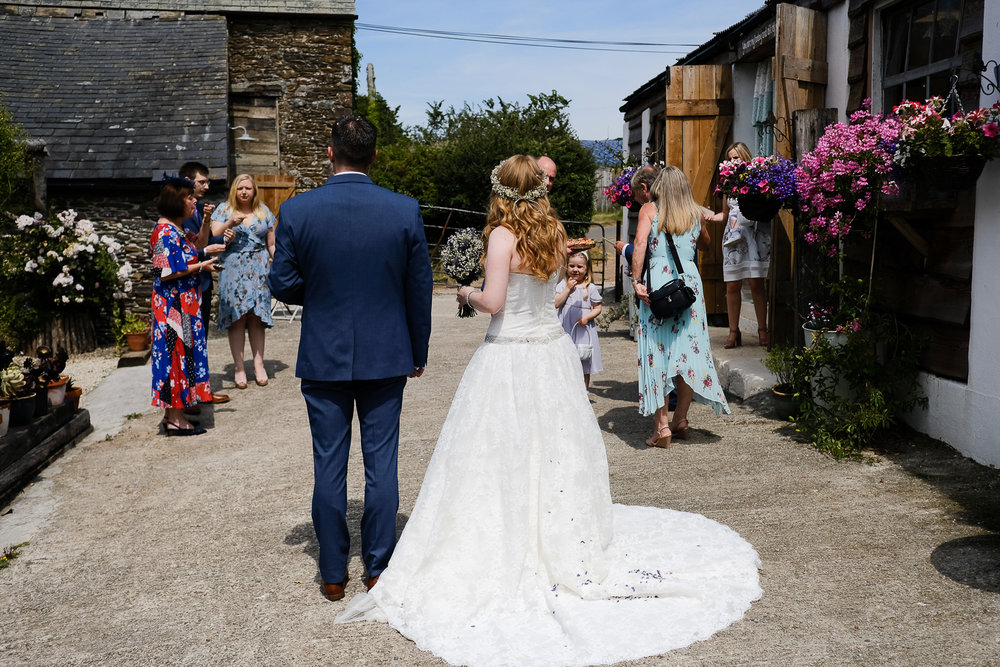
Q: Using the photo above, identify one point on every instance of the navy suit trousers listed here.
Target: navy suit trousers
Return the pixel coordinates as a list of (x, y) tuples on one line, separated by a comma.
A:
[(330, 406)]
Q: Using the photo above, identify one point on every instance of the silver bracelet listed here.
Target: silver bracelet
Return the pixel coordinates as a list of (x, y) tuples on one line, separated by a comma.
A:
[(468, 299)]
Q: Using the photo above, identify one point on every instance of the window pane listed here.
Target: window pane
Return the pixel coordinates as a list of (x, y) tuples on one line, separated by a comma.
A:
[(897, 28), (949, 17), (940, 84), (920, 35), (892, 96)]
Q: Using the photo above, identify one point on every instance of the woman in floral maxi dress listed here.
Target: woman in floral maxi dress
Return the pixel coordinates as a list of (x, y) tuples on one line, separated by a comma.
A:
[(674, 353), (179, 350)]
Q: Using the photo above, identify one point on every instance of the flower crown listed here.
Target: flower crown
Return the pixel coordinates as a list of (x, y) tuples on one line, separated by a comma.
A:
[(508, 192)]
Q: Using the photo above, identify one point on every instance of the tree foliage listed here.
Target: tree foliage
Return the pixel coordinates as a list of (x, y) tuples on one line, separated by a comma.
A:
[(447, 162), (15, 167)]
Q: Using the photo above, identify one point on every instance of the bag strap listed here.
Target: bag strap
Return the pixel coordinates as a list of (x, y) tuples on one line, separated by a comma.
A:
[(673, 253)]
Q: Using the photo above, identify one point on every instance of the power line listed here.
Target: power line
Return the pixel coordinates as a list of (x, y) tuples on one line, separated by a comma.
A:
[(538, 42)]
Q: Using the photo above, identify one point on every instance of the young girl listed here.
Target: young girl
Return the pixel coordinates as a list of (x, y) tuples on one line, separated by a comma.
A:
[(579, 303)]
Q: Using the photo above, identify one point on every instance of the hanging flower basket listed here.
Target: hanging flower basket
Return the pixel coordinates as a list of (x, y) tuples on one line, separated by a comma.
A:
[(758, 208), (953, 172)]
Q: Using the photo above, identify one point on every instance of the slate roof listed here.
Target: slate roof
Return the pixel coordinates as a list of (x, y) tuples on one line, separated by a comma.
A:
[(118, 98), (318, 7)]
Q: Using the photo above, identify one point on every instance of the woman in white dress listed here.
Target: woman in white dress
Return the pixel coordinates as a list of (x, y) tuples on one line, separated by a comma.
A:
[(514, 553), (749, 258)]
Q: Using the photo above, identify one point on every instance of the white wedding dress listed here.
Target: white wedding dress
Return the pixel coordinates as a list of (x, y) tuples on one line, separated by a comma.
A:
[(514, 553)]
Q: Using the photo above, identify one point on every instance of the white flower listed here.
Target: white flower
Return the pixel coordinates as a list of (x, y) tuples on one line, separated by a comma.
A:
[(78, 287), (23, 222), (67, 216), (31, 266), (78, 299), (124, 271), (65, 299), (85, 227), (127, 286)]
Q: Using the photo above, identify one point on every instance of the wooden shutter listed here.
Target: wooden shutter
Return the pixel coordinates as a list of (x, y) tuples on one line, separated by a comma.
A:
[(699, 120), (274, 189), (800, 75)]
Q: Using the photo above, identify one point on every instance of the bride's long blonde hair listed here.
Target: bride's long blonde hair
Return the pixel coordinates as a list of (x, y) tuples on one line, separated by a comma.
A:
[(540, 237)]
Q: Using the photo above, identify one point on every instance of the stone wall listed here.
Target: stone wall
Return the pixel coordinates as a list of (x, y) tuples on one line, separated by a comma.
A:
[(309, 61)]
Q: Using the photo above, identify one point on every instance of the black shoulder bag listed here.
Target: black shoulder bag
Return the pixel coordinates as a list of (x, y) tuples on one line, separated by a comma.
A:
[(673, 298)]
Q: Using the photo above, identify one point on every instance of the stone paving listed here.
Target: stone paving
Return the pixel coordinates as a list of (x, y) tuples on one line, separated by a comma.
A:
[(200, 551)]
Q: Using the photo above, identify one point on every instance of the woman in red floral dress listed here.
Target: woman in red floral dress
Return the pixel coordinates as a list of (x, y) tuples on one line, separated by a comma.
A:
[(180, 350)]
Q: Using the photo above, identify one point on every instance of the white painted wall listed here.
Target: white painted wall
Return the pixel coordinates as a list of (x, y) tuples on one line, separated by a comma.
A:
[(967, 416), (837, 59)]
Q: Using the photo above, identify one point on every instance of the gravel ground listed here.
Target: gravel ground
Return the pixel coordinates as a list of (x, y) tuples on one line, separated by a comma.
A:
[(200, 551), (89, 368)]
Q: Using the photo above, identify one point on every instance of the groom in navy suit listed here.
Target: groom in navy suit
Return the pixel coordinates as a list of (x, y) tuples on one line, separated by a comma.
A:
[(354, 255)]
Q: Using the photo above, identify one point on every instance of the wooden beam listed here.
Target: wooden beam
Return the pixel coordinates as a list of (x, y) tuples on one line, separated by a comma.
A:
[(803, 69), (700, 108), (911, 235)]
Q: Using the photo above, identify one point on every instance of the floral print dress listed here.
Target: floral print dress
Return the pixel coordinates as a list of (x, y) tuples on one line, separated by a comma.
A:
[(180, 349), (677, 345), (243, 281), (751, 256)]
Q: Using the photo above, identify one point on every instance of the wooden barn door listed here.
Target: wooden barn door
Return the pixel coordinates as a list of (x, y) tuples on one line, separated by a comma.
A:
[(274, 189), (800, 75), (699, 119)]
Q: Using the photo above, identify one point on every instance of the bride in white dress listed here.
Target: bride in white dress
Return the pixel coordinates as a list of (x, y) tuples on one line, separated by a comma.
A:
[(514, 553)]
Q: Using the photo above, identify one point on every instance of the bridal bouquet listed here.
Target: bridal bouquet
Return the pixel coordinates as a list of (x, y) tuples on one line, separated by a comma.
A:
[(460, 261)]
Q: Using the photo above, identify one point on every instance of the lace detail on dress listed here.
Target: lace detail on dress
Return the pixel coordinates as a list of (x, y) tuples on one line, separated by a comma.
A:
[(512, 340)]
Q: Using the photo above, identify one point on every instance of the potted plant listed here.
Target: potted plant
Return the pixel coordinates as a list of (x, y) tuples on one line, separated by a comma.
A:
[(620, 190), (134, 331), (781, 360), (762, 186), (44, 377), (73, 394), (949, 152), (15, 389)]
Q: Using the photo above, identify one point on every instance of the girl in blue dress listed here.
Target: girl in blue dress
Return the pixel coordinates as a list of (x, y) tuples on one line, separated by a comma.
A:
[(244, 298), (674, 353), (579, 303)]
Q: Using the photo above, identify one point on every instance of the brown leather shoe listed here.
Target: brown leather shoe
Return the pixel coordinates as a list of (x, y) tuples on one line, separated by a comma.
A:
[(372, 581), (334, 592), (219, 398)]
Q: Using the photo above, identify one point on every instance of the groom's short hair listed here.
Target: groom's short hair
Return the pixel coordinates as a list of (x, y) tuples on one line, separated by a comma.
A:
[(353, 140)]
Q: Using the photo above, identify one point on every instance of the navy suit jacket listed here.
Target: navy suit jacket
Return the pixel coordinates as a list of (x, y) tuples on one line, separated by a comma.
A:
[(355, 256)]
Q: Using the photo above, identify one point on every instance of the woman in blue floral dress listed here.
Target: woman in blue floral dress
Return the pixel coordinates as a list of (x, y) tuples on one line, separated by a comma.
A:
[(180, 350), (244, 298), (673, 353)]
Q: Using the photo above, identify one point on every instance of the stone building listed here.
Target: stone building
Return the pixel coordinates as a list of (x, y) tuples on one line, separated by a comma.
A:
[(114, 93)]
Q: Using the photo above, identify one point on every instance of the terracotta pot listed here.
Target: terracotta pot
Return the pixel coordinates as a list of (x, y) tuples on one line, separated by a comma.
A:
[(57, 390), (137, 342), (73, 396)]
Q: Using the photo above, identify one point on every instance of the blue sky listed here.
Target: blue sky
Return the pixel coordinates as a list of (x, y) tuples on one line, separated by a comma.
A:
[(412, 71)]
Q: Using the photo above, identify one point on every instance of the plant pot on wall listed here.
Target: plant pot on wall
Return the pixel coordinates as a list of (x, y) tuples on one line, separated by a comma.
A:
[(22, 410), (823, 375), (73, 397), (4, 417), (137, 342), (57, 390)]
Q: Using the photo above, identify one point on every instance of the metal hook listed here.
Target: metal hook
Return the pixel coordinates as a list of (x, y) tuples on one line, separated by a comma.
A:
[(988, 85)]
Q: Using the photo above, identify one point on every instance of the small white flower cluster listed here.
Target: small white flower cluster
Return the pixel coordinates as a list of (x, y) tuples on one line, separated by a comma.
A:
[(510, 193), (73, 252), (461, 254)]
